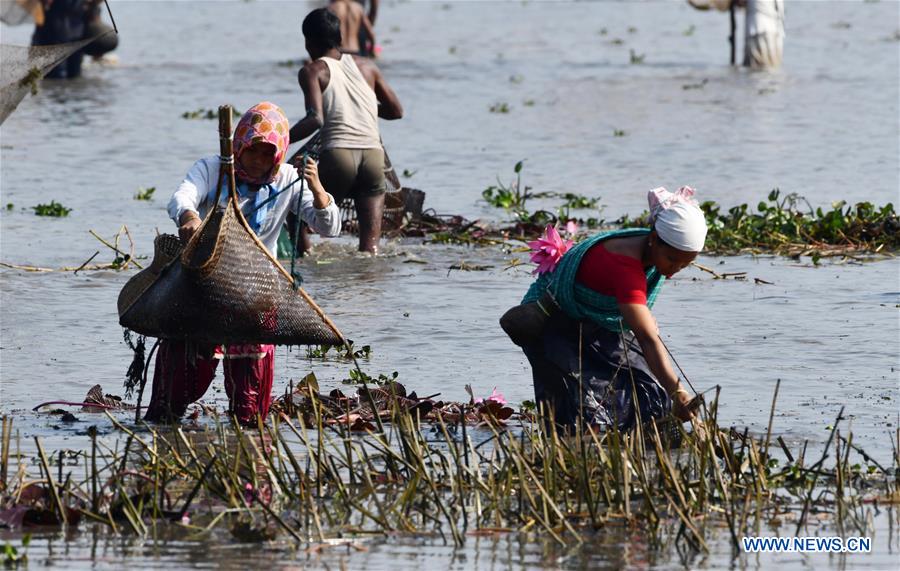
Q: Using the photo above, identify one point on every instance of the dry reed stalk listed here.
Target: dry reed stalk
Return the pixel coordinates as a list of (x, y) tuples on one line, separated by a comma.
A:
[(771, 418), (54, 492), (815, 478), (4, 452)]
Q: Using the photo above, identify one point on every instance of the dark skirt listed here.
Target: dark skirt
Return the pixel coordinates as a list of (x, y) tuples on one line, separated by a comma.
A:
[(613, 369)]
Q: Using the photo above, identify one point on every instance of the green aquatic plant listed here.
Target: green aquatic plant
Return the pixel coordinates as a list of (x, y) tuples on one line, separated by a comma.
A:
[(53, 209), (10, 206), (358, 377), (31, 80), (782, 226), (570, 199), (145, 193), (204, 113), (13, 558), (786, 224), (500, 107), (636, 58), (618, 133), (698, 85), (510, 197), (341, 352)]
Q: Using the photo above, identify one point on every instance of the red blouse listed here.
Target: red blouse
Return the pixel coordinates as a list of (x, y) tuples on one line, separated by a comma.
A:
[(612, 274)]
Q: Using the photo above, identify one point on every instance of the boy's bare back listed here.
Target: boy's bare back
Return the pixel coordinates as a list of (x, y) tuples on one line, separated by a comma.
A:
[(352, 16)]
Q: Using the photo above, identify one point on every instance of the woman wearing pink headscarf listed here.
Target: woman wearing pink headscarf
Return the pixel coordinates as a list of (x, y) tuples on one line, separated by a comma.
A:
[(585, 324), (268, 189)]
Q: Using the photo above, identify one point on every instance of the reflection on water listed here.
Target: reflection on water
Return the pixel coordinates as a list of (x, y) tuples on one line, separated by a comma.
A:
[(613, 547), (824, 126)]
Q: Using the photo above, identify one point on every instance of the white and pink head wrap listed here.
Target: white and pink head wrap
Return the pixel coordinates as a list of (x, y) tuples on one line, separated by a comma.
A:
[(677, 218)]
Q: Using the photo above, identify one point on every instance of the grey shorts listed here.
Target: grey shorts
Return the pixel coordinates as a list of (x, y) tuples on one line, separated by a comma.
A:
[(348, 173)]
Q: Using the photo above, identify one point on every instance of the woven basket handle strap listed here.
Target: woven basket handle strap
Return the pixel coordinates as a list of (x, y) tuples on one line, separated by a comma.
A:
[(226, 156)]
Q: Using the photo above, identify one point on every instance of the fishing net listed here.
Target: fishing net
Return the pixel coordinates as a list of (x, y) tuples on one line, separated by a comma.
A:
[(22, 67), (224, 286)]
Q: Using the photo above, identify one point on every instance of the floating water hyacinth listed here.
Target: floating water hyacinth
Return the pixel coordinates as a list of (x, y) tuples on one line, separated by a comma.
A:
[(548, 250)]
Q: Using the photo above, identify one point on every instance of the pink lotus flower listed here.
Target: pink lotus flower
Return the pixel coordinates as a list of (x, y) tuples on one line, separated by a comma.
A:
[(571, 228), (547, 250), (495, 397)]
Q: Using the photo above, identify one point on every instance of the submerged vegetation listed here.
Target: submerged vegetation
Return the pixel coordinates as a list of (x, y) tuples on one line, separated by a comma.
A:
[(54, 209), (145, 193), (333, 467), (500, 107), (780, 225), (783, 224), (31, 80), (204, 113)]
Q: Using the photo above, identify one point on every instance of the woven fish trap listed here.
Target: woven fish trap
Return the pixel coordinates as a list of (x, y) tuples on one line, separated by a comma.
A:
[(399, 208), (670, 432), (223, 287)]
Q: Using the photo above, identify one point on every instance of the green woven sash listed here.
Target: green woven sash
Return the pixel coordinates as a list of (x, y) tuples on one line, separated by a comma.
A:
[(580, 302)]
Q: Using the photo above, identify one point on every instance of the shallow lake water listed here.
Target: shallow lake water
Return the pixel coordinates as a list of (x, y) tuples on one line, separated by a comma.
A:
[(825, 126)]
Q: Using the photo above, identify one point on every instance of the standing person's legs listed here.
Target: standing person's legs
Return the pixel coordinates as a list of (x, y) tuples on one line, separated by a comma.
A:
[(368, 196), (357, 174), (249, 375), (555, 390), (182, 375), (337, 171), (73, 65)]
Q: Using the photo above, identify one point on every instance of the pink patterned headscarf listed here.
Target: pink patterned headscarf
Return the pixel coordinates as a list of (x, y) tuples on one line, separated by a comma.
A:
[(677, 218), (262, 123)]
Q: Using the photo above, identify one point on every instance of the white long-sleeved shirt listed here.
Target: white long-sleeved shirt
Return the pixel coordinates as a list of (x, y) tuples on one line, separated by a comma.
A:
[(197, 192)]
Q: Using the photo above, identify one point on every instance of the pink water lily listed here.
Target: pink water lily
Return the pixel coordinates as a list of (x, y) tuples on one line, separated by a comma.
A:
[(496, 397), (548, 250), (571, 228)]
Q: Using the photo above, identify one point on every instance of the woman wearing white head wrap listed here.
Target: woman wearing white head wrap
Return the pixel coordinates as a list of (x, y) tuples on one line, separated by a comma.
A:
[(585, 324), (677, 219)]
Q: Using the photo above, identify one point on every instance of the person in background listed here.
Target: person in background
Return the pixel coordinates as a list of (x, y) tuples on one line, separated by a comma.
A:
[(600, 348), (345, 95), (71, 21), (764, 33), (355, 25), (64, 22), (268, 189)]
